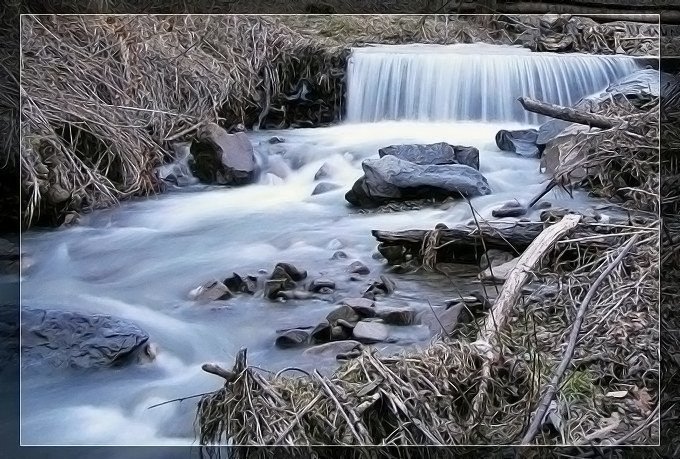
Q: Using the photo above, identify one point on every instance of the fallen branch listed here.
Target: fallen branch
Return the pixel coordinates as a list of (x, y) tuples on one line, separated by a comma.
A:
[(569, 352), (519, 276), (512, 289), (568, 114)]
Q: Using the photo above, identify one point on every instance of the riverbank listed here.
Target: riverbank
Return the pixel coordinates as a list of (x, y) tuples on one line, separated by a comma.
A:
[(106, 96), (165, 265)]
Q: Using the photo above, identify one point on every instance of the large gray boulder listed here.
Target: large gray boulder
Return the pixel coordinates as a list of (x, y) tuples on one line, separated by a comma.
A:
[(390, 179), (70, 339), (435, 153), (522, 142), (223, 158)]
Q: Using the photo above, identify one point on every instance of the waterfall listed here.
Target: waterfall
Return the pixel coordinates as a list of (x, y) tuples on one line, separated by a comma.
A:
[(470, 82)]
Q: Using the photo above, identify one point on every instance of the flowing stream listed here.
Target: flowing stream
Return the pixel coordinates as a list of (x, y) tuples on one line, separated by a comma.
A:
[(140, 260)]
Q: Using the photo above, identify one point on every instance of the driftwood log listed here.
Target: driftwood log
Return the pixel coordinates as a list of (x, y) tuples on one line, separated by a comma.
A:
[(498, 235), (568, 114), (487, 341)]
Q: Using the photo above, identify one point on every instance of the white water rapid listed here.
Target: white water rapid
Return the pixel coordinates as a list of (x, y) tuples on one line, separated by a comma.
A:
[(140, 260)]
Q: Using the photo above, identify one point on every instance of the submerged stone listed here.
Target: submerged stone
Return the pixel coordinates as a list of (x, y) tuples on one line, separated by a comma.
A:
[(73, 340)]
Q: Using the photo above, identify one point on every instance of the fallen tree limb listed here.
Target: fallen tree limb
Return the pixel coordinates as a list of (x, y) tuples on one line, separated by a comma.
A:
[(568, 114), (569, 352), (500, 235), (519, 276), (512, 289)]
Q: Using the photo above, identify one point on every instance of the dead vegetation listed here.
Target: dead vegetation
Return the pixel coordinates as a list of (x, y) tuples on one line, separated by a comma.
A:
[(103, 96), (580, 345)]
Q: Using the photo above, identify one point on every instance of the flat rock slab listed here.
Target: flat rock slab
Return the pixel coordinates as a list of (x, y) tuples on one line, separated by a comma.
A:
[(74, 340), (389, 179), (371, 332), (432, 154)]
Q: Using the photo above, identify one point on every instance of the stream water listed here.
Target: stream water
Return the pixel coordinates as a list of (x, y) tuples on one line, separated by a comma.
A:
[(140, 260)]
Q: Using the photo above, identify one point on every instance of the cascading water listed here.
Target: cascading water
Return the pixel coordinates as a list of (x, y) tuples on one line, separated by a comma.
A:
[(470, 82), (139, 261)]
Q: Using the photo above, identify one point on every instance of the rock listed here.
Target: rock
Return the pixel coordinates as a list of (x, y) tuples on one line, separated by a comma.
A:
[(467, 156), (324, 171), (345, 313), (70, 339), (551, 129), (522, 142), (362, 306), (321, 283), (293, 272), (370, 332), (292, 338), (276, 139), (273, 287), (509, 209), (339, 255), (497, 257), (242, 284), (344, 323), (397, 316), (385, 286), (391, 179), (324, 187), (392, 253), (321, 333), (210, 291), (446, 318), (223, 158), (500, 272), (643, 83), (339, 333), (436, 153), (294, 295), (433, 154), (334, 348), (358, 268)]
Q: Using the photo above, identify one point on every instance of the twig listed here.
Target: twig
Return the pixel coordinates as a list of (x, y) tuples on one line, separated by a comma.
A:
[(181, 399), (569, 352)]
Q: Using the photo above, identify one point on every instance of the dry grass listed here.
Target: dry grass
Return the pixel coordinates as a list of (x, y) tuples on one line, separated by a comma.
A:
[(427, 397), (441, 395), (103, 94)]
